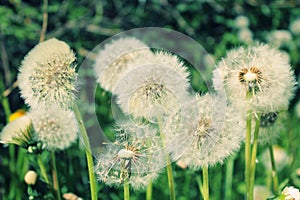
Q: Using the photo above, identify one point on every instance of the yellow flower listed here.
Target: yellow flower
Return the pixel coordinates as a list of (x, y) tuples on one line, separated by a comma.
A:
[(16, 115)]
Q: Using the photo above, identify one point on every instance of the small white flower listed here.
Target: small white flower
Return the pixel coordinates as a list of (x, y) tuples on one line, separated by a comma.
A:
[(30, 177), (204, 132), (279, 37), (241, 22), (54, 127), (245, 35), (117, 58), (295, 27), (155, 88), (257, 78), (291, 193), (47, 75)]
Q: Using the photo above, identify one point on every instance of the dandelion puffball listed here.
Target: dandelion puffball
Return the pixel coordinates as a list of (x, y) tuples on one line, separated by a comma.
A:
[(47, 76), (257, 78), (54, 127), (17, 131), (132, 159), (204, 132), (116, 58), (154, 89)]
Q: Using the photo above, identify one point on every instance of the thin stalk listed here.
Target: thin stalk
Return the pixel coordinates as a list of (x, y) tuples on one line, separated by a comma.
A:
[(169, 165), (126, 191), (200, 186), (253, 157), (228, 180), (248, 153), (43, 169), (274, 171), (89, 157), (55, 176), (45, 20), (149, 191), (170, 178), (205, 193)]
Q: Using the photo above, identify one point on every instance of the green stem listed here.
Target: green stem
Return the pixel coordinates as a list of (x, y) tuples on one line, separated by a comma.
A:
[(55, 176), (205, 193), (248, 152), (200, 187), (274, 171), (43, 169), (253, 157), (89, 157), (170, 178), (126, 191), (228, 180), (168, 163), (149, 191)]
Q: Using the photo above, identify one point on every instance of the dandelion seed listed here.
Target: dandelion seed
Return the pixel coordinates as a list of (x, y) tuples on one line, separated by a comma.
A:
[(134, 160), (154, 89), (260, 71), (47, 75), (54, 127), (117, 58), (204, 132)]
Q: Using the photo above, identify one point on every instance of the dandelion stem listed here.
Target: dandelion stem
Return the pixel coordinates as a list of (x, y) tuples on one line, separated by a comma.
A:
[(248, 153), (45, 20), (168, 163), (43, 169), (89, 157), (126, 191), (274, 171), (198, 179), (170, 178), (149, 191), (55, 176), (228, 180), (205, 193), (253, 157)]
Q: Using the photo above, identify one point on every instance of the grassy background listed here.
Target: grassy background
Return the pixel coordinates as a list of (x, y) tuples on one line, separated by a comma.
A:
[(84, 24)]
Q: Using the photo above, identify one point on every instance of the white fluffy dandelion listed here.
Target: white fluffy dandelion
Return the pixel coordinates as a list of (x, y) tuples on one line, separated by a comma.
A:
[(47, 75), (158, 87), (204, 132), (54, 127), (258, 78), (130, 159), (117, 58), (241, 22), (18, 132)]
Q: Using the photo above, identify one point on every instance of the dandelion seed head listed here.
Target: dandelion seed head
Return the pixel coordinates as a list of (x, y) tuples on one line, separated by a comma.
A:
[(260, 70), (204, 132), (16, 131), (245, 35), (117, 58), (54, 127), (156, 88), (241, 22), (131, 159), (47, 75), (295, 27)]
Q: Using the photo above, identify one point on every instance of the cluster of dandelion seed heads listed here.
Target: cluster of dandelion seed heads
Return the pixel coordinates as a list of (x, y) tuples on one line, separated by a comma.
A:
[(136, 160), (261, 71), (208, 133), (54, 127), (117, 58), (47, 75)]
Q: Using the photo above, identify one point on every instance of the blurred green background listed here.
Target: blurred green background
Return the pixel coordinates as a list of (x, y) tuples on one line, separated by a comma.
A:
[(83, 24)]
